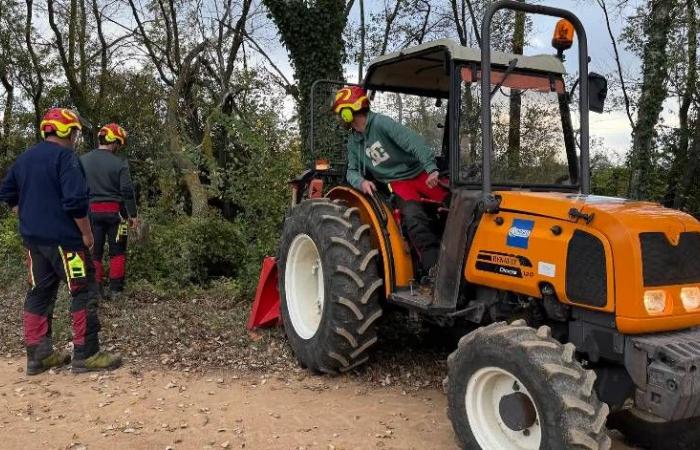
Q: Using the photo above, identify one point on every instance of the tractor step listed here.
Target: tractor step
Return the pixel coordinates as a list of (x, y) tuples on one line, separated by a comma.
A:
[(412, 298)]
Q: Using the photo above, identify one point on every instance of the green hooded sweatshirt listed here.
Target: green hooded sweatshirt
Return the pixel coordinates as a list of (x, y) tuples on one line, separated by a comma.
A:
[(388, 151)]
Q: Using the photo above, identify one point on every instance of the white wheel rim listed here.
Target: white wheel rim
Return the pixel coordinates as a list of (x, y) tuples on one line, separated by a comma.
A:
[(303, 284), (485, 390)]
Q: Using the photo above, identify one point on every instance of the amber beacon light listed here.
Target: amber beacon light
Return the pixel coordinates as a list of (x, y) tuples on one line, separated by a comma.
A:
[(563, 37)]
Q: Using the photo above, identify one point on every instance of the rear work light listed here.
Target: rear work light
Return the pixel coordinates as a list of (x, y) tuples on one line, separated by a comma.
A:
[(690, 296), (322, 164), (655, 301)]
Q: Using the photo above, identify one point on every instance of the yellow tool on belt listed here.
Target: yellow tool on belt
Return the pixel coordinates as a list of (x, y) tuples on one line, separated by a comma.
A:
[(123, 230)]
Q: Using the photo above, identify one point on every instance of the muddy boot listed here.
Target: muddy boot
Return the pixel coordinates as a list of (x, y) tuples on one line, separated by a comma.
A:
[(42, 357), (105, 294), (98, 361), (427, 283)]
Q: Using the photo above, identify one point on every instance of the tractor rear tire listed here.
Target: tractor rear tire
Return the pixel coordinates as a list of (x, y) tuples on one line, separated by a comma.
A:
[(329, 286), (514, 387)]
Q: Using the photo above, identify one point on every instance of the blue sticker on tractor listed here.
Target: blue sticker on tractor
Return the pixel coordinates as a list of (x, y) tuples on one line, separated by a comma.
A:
[(519, 233)]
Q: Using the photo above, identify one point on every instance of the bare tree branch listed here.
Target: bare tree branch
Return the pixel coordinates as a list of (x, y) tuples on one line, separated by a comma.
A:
[(363, 32), (168, 36), (390, 18), (38, 89), (348, 7), (149, 45), (238, 34), (176, 34), (602, 5), (461, 32), (288, 86), (474, 22)]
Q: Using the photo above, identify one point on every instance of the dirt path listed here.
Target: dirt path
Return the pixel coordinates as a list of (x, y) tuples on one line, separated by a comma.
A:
[(154, 410), (160, 410)]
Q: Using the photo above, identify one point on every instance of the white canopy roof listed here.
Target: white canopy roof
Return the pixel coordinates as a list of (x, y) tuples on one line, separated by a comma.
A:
[(424, 68)]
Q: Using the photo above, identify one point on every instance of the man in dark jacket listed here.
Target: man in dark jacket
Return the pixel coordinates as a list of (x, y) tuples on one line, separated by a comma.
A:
[(47, 185), (111, 204)]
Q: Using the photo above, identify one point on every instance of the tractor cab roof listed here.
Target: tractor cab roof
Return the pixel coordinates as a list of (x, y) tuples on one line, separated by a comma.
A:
[(424, 69)]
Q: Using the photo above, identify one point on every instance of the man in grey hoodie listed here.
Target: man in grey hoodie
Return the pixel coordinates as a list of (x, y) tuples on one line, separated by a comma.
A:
[(112, 204)]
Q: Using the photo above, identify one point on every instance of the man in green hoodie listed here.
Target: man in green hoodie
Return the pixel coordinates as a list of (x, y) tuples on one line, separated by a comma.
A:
[(396, 156)]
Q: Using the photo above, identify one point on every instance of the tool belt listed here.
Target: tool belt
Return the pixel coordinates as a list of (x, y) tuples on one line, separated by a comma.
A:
[(105, 207)]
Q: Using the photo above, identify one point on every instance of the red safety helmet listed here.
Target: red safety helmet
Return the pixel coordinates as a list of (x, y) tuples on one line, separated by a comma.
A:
[(112, 132), (349, 100), (60, 121)]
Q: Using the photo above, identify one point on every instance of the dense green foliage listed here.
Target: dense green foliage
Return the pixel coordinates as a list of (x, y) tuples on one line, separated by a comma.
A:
[(207, 105), (12, 260)]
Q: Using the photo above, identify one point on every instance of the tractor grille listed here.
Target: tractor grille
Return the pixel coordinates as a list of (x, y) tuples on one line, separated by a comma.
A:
[(586, 273), (664, 264)]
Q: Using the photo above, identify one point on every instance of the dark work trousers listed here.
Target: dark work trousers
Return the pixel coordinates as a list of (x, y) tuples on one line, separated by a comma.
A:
[(48, 265), (419, 226), (111, 229)]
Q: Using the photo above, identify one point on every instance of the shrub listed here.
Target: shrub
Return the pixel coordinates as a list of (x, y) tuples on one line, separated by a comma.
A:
[(183, 250), (12, 259)]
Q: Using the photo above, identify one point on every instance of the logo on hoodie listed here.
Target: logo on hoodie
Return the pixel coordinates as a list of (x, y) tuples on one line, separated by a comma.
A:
[(377, 153)]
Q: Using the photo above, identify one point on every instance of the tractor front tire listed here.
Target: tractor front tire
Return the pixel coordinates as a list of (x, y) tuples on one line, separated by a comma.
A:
[(329, 286), (513, 387)]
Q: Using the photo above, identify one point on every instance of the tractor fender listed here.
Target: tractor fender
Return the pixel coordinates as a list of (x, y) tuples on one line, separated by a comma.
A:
[(395, 253)]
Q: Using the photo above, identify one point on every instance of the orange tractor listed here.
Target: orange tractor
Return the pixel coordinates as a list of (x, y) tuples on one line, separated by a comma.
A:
[(578, 305)]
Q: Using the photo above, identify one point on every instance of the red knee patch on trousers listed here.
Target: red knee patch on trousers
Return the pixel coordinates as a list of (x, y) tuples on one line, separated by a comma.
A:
[(35, 328), (79, 326), (99, 270), (117, 266), (415, 189)]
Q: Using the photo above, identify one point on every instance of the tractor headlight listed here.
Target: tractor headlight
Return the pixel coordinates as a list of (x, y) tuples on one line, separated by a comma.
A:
[(690, 296), (655, 301)]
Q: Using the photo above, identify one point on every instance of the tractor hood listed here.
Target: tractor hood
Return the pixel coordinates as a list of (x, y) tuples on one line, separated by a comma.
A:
[(634, 216), (649, 248)]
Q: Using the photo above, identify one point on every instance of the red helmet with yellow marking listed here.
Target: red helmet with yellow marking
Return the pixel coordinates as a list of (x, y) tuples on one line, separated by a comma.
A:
[(348, 100), (112, 132), (59, 121)]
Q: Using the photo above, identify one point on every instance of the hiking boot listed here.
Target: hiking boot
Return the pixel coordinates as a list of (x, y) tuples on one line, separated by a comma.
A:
[(114, 295), (37, 365), (98, 361), (427, 283), (105, 294)]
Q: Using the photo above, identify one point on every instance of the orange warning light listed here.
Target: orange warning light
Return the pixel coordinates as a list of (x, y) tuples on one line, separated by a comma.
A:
[(563, 37)]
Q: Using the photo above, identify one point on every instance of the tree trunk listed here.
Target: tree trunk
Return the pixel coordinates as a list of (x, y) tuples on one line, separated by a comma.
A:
[(653, 94), (38, 87), (515, 101), (313, 35), (6, 132), (361, 59), (190, 173), (672, 197), (692, 169)]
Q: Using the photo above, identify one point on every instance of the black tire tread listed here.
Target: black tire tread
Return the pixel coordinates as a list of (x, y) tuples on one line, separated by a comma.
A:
[(352, 284), (583, 415)]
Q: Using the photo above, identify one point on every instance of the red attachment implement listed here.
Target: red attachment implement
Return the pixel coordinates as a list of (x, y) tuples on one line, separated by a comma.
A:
[(266, 306)]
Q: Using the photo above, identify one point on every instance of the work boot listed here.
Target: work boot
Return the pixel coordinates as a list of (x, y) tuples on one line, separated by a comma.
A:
[(105, 294), (41, 358), (427, 283), (98, 361), (115, 295)]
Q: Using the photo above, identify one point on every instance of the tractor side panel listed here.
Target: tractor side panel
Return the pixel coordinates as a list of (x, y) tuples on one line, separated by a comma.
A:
[(395, 248), (519, 252)]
